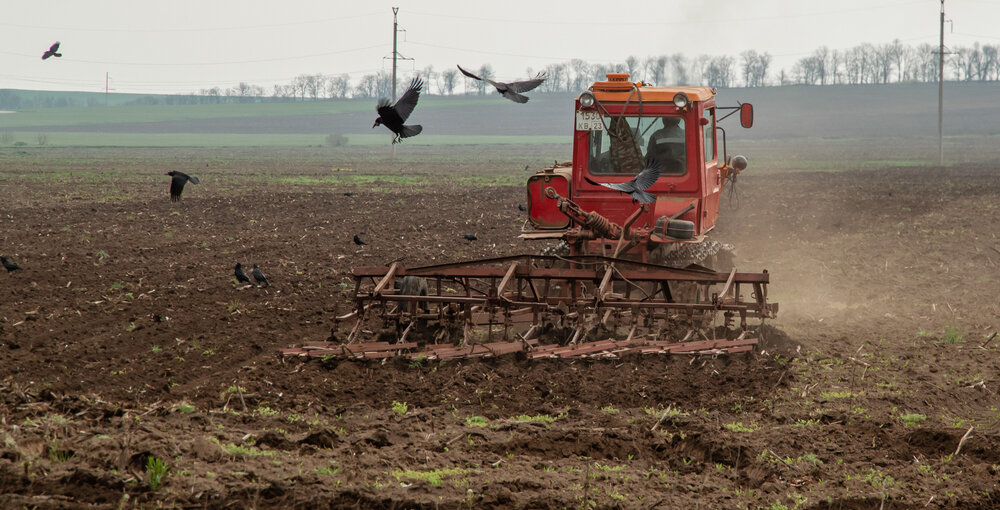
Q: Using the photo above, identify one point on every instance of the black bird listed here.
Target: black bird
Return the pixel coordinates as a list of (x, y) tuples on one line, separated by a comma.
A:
[(358, 241), (259, 277), (9, 265), (240, 275), (511, 90), (521, 208), (177, 183), (394, 116), (51, 52), (349, 194), (636, 187), (470, 237)]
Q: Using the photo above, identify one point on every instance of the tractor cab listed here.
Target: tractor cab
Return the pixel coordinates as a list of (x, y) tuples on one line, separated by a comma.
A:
[(622, 127)]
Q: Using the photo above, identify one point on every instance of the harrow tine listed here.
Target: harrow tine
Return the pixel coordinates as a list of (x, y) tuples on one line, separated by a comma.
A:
[(402, 338), (386, 279)]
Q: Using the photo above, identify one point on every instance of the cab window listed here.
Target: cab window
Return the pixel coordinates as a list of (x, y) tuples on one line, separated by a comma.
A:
[(622, 147)]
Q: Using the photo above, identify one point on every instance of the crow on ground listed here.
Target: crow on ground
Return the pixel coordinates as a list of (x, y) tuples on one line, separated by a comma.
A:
[(9, 265), (521, 208), (358, 241), (511, 90), (241, 276), (259, 277), (349, 194), (395, 115), (470, 237), (177, 183), (636, 187), (52, 51)]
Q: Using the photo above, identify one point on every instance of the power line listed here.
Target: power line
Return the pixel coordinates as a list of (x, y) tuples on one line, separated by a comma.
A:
[(231, 62), (706, 20), (202, 29)]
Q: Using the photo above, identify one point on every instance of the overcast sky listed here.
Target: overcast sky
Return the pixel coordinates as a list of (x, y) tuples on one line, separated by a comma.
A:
[(182, 46)]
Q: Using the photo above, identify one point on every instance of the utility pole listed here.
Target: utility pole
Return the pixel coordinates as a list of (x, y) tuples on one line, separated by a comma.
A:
[(395, 31), (941, 92)]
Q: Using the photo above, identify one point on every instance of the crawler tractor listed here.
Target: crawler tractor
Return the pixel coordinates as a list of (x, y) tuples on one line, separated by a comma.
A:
[(625, 276)]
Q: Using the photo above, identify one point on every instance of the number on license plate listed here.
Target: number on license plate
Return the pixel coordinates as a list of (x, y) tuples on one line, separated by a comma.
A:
[(589, 121)]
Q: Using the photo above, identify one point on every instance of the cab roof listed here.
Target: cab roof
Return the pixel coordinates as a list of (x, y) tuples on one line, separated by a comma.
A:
[(617, 88)]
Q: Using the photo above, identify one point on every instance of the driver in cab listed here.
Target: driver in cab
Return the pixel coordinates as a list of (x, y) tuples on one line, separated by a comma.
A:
[(666, 145)]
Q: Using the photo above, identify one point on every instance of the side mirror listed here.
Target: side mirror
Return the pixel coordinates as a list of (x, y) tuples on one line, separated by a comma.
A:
[(746, 115)]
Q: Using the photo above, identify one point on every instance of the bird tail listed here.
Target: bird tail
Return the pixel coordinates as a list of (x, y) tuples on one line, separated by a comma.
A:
[(193, 179), (409, 131), (643, 196), (57, 54), (514, 96)]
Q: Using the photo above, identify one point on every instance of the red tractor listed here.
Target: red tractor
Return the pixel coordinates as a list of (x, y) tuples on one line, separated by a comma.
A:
[(630, 276), (620, 126)]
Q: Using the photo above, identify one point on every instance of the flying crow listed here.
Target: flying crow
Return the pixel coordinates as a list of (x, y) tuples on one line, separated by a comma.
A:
[(177, 183), (51, 52), (636, 187), (257, 275), (240, 275), (511, 90), (358, 241), (395, 115), (470, 237), (9, 265)]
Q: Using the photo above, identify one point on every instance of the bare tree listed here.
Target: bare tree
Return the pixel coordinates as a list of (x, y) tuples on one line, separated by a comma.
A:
[(632, 66), (338, 86), (557, 78), (680, 69), (656, 69), (580, 74), (755, 67), (367, 86), (448, 81), (430, 76), (719, 72)]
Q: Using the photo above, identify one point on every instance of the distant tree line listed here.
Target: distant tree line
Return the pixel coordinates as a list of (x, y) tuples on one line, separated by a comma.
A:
[(863, 64)]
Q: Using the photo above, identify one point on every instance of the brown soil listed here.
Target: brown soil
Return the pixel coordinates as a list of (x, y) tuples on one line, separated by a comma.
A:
[(124, 338)]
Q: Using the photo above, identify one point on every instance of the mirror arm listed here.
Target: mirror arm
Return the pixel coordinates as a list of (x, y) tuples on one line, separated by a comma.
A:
[(725, 152)]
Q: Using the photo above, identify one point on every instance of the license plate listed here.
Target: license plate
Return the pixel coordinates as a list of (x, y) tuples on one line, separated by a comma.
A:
[(589, 121)]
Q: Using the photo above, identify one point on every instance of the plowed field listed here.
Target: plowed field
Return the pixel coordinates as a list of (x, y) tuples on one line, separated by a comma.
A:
[(125, 339)]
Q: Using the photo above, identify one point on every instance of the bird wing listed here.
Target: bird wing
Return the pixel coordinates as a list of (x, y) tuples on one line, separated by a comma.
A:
[(627, 187), (470, 75), (177, 183), (408, 101), (526, 85), (643, 196), (412, 130), (514, 96), (55, 47), (648, 176), (193, 179)]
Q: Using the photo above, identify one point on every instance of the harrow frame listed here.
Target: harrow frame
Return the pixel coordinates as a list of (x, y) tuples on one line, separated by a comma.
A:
[(516, 298)]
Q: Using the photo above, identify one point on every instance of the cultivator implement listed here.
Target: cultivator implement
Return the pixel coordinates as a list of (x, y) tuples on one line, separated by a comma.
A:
[(543, 306)]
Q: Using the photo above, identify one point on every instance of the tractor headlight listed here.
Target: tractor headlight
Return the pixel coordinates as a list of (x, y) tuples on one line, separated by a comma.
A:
[(587, 99), (681, 100)]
